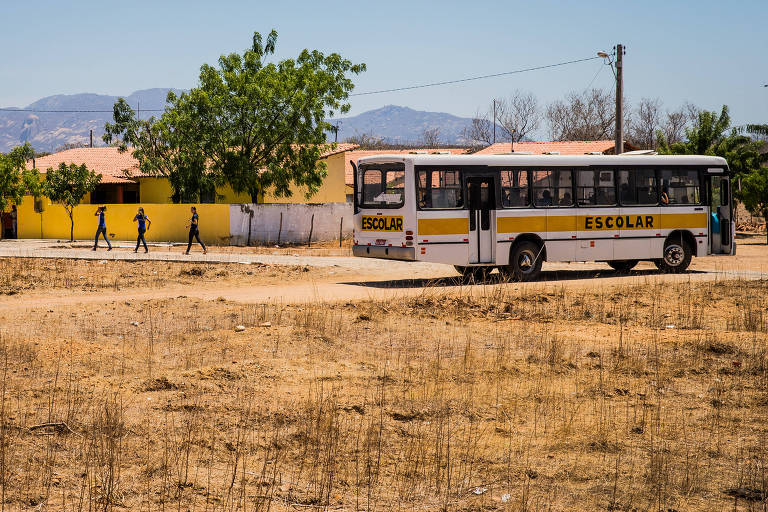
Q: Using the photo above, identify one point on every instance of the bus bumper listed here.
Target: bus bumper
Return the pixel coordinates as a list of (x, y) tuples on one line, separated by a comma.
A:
[(387, 253)]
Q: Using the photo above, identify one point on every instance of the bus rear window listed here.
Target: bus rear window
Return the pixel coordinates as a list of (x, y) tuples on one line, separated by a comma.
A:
[(383, 186)]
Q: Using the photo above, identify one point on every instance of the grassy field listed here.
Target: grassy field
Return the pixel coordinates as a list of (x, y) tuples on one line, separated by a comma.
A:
[(626, 397)]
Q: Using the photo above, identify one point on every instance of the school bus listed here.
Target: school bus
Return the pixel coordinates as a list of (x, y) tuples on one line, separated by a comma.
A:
[(514, 212)]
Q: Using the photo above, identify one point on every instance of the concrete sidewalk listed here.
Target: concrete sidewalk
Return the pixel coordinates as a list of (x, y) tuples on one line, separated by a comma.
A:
[(123, 250)]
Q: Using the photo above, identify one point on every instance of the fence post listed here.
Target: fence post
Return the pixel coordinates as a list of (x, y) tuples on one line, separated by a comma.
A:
[(280, 229), (311, 227), (341, 227)]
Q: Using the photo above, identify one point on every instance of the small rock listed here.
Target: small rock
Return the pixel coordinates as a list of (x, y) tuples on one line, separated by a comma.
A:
[(480, 490), (505, 498), (239, 328), (670, 326), (135, 323), (265, 324)]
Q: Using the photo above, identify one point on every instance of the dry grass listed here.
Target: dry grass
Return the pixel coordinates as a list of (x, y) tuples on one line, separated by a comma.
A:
[(628, 398), (19, 275)]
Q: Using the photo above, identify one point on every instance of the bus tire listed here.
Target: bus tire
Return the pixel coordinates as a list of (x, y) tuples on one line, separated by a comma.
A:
[(473, 274), (622, 266), (677, 257), (524, 262)]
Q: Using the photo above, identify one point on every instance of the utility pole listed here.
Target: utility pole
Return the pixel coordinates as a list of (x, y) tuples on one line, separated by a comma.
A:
[(619, 144), (494, 121)]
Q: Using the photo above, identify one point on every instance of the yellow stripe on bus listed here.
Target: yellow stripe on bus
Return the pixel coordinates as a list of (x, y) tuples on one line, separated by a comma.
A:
[(684, 220), (521, 224), (443, 226), (545, 224)]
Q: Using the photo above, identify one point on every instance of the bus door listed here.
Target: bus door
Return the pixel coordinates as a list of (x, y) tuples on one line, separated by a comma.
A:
[(720, 238), (481, 194)]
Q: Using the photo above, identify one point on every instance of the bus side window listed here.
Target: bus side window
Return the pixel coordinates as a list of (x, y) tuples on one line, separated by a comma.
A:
[(553, 188), (680, 186), (514, 188), (638, 187), (439, 189), (595, 187)]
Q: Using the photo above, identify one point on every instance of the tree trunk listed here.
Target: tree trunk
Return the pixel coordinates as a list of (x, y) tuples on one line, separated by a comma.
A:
[(765, 219), (71, 227)]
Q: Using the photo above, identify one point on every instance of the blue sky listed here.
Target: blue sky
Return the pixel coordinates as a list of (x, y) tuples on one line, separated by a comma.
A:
[(707, 52)]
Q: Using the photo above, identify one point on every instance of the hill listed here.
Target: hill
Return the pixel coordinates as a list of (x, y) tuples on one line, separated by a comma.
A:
[(403, 125), (77, 114), (47, 131)]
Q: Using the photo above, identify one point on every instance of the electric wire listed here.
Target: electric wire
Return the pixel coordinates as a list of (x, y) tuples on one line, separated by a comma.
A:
[(366, 93)]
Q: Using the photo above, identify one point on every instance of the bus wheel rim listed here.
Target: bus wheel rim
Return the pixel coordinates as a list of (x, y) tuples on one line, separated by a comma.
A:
[(525, 261), (674, 255)]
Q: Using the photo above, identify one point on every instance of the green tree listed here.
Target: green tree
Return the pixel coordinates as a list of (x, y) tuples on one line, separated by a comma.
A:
[(712, 134), (250, 123), (754, 192), (161, 151), (15, 180), (67, 185)]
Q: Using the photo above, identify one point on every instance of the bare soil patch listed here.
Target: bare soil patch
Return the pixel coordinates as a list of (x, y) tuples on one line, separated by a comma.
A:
[(617, 397)]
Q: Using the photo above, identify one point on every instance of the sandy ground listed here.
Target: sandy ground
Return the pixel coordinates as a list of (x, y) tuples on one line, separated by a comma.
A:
[(338, 278)]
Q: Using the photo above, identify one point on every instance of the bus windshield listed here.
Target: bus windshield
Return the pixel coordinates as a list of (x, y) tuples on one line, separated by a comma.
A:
[(382, 185)]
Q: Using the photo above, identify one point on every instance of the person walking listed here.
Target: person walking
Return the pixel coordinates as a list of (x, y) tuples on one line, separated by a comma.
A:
[(102, 229), (194, 231), (144, 223), (14, 222)]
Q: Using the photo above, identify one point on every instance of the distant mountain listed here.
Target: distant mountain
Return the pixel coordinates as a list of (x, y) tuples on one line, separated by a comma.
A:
[(47, 131), (403, 125)]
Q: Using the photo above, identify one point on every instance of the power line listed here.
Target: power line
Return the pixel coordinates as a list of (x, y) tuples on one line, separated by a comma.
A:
[(367, 93), (73, 111), (469, 79)]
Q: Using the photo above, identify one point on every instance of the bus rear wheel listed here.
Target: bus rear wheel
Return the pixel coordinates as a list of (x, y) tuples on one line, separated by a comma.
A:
[(473, 274), (524, 262), (677, 257), (622, 266)]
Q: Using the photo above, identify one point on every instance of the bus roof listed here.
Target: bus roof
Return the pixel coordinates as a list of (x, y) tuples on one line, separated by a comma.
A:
[(550, 160)]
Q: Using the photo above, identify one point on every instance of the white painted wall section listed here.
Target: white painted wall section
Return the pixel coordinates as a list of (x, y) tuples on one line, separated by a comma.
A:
[(265, 225)]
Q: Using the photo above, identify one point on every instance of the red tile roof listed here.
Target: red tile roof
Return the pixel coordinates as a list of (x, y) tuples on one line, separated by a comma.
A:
[(360, 153), (567, 147), (111, 164), (341, 147), (108, 162)]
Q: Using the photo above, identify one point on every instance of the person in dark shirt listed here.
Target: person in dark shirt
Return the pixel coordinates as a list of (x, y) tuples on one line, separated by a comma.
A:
[(194, 231), (143, 223), (102, 229)]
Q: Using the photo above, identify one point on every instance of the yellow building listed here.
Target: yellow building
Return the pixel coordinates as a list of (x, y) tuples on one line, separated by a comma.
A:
[(123, 188), (123, 182)]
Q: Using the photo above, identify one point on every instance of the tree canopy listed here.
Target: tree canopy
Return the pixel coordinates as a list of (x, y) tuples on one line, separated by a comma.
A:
[(15, 180), (249, 123), (68, 184)]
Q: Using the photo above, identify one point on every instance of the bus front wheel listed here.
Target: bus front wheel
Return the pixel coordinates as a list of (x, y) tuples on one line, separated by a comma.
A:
[(622, 266), (677, 257), (524, 262)]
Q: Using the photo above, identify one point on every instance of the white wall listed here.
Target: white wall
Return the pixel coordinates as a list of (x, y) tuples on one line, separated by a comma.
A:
[(297, 218)]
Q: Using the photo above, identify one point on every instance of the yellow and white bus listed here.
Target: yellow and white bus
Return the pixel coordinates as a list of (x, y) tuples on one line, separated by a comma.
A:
[(513, 212)]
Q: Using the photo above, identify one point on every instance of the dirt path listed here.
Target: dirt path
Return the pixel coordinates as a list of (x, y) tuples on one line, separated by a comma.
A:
[(381, 285), (361, 278)]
